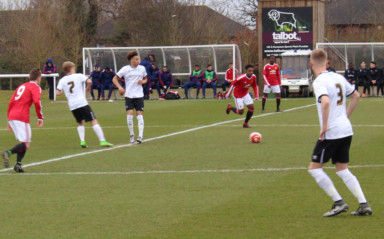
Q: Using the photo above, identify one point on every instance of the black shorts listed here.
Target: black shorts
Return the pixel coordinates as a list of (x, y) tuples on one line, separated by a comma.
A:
[(134, 103), (84, 113), (337, 149)]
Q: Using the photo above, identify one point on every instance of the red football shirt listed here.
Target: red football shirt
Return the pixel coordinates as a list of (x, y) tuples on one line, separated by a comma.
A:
[(240, 86), (229, 75), (21, 101), (271, 74)]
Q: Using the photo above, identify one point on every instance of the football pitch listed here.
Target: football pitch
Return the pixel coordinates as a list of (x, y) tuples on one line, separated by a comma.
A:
[(196, 175)]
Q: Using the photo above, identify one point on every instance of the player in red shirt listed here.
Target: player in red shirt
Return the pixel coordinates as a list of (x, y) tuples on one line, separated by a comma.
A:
[(240, 88), (272, 82), (18, 117), (229, 76)]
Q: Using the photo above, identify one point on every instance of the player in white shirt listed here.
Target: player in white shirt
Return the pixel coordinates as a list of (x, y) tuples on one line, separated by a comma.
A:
[(135, 76), (336, 133), (73, 86)]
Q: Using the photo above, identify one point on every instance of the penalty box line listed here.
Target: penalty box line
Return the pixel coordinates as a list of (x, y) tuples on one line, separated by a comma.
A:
[(150, 139), (251, 170)]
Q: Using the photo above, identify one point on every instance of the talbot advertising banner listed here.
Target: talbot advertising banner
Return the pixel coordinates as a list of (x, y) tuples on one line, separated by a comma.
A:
[(286, 29)]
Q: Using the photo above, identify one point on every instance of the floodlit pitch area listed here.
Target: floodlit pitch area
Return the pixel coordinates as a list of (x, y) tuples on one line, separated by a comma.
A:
[(196, 175)]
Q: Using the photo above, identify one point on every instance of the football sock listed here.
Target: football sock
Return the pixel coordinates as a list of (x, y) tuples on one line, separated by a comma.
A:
[(21, 153), (278, 102), (325, 183), (130, 124), (99, 132), (249, 116), (263, 102), (234, 109), (353, 184), (81, 131), (140, 122)]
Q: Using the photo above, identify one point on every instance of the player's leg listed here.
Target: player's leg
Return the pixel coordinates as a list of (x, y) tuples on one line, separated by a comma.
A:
[(92, 95), (51, 89), (322, 152), (89, 116), (278, 98), (139, 106), (247, 99), (238, 109), (198, 86), (77, 113), (205, 84), (341, 160), (267, 90), (129, 106), (110, 86), (158, 87), (186, 87), (213, 84)]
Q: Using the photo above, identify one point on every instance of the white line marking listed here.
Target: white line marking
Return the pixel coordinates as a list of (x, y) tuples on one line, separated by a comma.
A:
[(185, 171), (150, 139)]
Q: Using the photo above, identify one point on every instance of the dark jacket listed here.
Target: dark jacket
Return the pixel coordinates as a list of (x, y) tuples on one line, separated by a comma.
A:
[(148, 67), (362, 75), (107, 76), (166, 78), (374, 74), (49, 69), (96, 77), (350, 75), (331, 69), (155, 75)]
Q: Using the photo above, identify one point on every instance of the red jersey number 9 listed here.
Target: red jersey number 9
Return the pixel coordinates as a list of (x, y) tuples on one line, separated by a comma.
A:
[(19, 92)]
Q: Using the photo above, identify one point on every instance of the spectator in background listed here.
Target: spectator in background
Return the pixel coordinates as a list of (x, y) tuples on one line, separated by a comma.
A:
[(148, 67), (194, 80), (166, 79), (329, 66), (380, 84), (374, 75), (362, 76), (228, 77), (107, 77), (209, 79), (154, 79), (50, 68), (351, 75), (96, 82)]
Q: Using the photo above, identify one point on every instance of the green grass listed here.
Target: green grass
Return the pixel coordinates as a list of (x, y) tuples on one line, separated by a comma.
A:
[(137, 202)]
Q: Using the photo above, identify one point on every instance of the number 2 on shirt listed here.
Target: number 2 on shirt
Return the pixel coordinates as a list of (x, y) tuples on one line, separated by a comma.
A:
[(20, 92), (72, 84), (340, 94)]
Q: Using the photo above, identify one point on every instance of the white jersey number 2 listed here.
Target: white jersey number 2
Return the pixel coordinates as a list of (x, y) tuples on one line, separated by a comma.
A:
[(20, 92)]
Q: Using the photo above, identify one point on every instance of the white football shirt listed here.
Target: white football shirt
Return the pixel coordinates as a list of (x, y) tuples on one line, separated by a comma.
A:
[(337, 88), (132, 75), (73, 87)]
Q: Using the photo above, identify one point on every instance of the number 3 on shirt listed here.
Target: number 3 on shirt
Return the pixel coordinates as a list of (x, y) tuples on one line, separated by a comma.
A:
[(340, 94), (72, 84), (19, 92)]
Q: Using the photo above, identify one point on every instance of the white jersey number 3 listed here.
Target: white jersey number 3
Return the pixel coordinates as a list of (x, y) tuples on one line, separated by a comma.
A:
[(20, 92)]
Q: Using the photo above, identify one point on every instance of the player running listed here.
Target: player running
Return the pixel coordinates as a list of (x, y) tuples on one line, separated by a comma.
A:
[(135, 76), (336, 133), (18, 117), (73, 86), (272, 82), (240, 88)]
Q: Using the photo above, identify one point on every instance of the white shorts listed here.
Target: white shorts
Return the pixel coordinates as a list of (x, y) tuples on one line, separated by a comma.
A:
[(246, 100), (21, 130), (273, 88)]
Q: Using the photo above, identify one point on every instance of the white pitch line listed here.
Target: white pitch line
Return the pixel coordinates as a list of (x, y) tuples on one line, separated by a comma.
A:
[(185, 171), (147, 140)]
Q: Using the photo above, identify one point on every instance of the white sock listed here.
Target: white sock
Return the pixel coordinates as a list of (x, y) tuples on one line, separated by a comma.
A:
[(353, 184), (99, 132), (325, 183), (140, 123), (81, 131), (130, 124)]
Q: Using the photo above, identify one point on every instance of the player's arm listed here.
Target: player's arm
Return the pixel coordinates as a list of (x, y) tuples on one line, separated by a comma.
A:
[(39, 109), (143, 81), (115, 81), (161, 81), (278, 76), (214, 77), (88, 84), (353, 102), (265, 76), (231, 87), (255, 89), (325, 114)]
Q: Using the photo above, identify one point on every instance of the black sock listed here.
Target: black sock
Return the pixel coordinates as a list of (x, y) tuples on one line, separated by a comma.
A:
[(249, 116), (20, 150), (278, 103), (234, 109), (263, 102)]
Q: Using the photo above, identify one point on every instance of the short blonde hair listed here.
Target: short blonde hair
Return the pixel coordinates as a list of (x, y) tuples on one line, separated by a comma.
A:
[(67, 66), (319, 57)]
